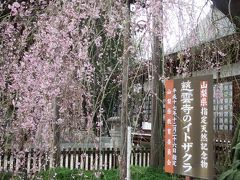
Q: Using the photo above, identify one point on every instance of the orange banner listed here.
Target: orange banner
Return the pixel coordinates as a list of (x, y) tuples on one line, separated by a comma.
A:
[(169, 126)]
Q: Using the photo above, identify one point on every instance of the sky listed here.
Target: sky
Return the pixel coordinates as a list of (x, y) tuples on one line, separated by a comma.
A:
[(181, 22), (180, 18)]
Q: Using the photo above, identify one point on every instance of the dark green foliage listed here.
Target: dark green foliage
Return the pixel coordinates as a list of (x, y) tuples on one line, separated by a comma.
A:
[(105, 58), (137, 173), (8, 176), (233, 173), (64, 174), (5, 176), (141, 173)]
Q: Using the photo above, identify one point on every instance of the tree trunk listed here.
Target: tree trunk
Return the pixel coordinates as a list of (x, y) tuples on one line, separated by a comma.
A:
[(124, 111), (56, 135), (157, 146)]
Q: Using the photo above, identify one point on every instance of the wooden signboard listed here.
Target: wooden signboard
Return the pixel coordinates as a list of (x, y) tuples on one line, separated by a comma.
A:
[(189, 127)]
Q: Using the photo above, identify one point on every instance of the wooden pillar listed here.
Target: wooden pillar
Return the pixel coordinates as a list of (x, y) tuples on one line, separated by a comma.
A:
[(157, 145), (124, 110), (56, 135)]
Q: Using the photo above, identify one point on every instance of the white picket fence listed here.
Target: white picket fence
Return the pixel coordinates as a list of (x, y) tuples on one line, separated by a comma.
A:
[(87, 159)]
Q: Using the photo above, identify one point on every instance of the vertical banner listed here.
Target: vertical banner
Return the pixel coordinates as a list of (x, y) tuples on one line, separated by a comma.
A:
[(189, 127), (169, 127)]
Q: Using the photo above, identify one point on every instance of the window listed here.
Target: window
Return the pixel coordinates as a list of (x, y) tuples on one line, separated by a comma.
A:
[(222, 106)]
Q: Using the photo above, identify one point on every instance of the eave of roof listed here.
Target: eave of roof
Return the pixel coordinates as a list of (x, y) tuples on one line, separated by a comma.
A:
[(230, 8)]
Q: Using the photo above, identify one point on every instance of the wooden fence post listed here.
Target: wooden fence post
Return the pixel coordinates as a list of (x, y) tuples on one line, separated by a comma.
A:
[(90, 159)]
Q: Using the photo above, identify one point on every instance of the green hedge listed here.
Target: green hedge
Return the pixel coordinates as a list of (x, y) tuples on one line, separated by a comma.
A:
[(141, 173), (137, 173), (5, 176), (8, 176)]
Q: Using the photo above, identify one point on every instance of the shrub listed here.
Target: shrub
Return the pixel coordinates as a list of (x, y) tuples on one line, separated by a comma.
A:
[(137, 173), (64, 174), (148, 173), (233, 173), (8, 175), (5, 175)]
